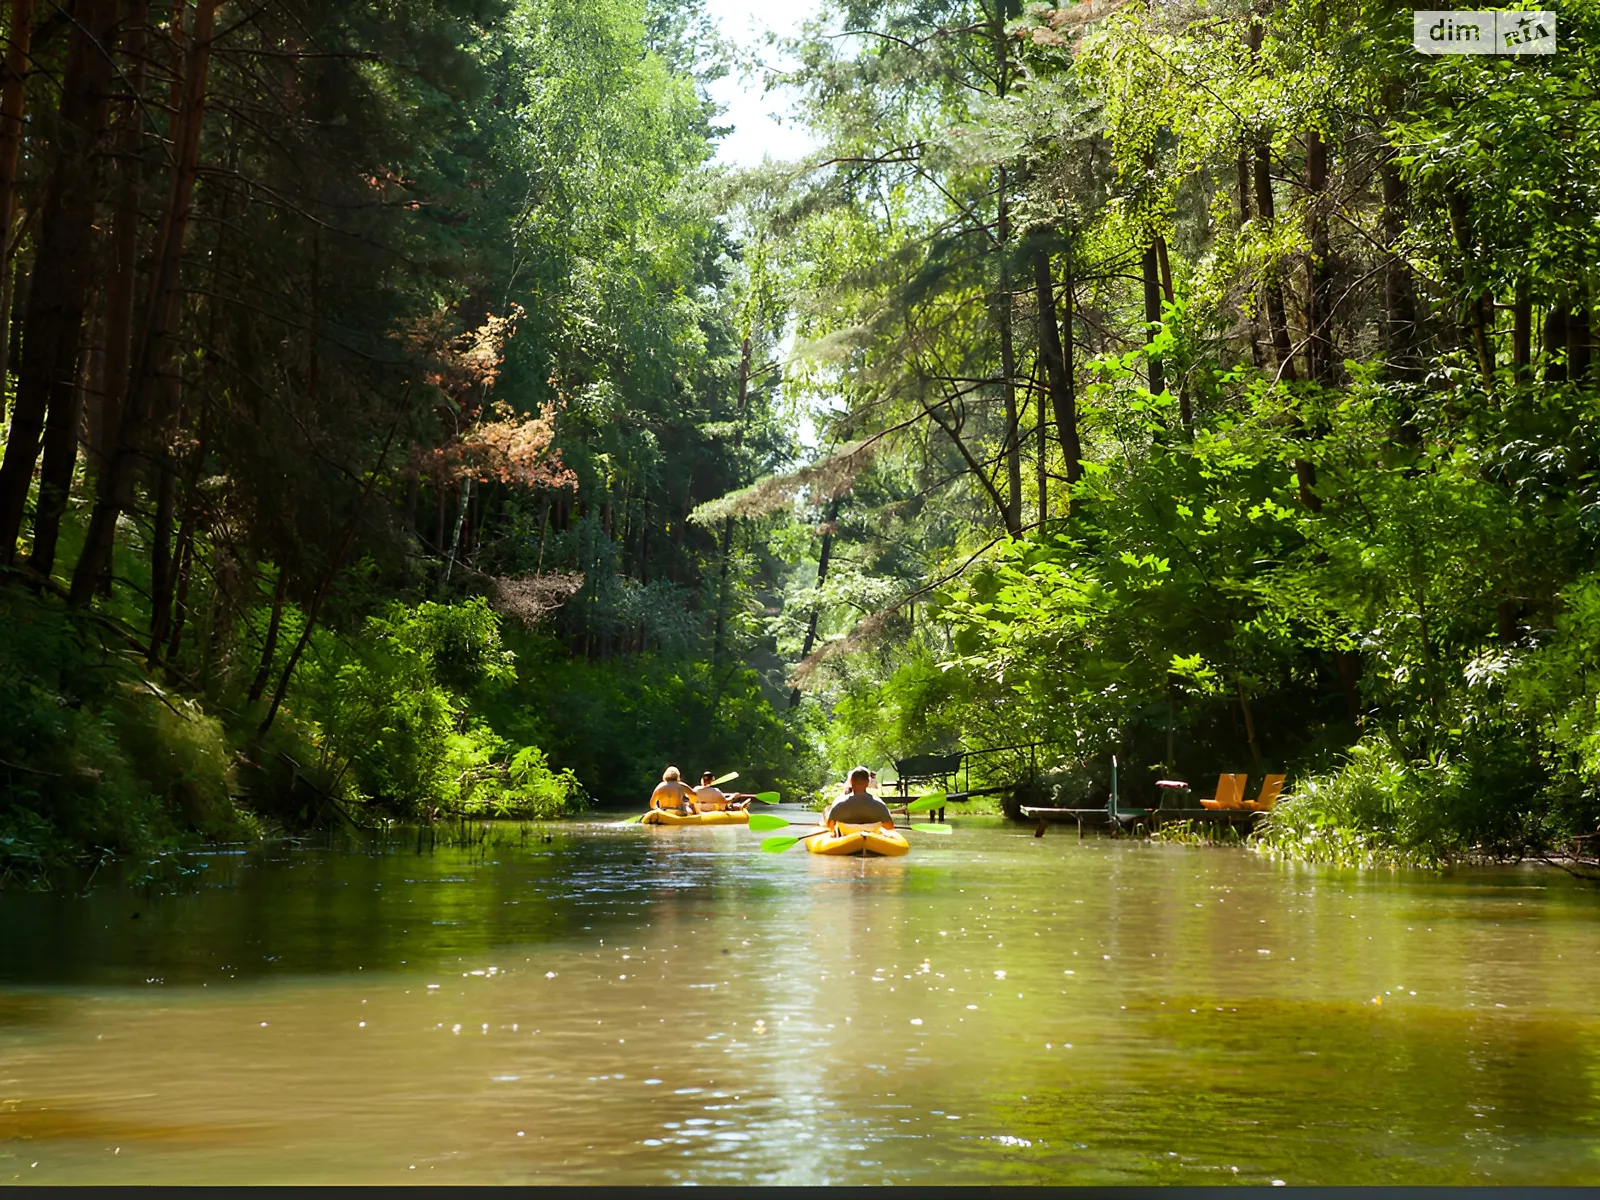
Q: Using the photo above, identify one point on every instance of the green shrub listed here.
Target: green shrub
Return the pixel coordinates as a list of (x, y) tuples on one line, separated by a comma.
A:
[(1378, 806), (617, 723), (397, 705)]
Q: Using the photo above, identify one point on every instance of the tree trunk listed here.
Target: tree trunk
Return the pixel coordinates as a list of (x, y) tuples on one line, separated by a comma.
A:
[(1185, 411), (13, 105), (544, 530), (180, 600), (1152, 317), (1580, 344), (1320, 361), (1041, 461), (334, 563), (161, 557), (829, 519), (1008, 361), (1521, 329), (726, 547), (269, 647), (1249, 725), (8, 278), (52, 330), (1556, 344), (1277, 317), (1399, 295), (1242, 171), (463, 498), (1474, 325), (55, 475), (1349, 674), (155, 347), (123, 280), (1056, 351)]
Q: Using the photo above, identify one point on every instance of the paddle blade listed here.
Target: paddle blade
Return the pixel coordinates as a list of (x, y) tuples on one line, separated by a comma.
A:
[(777, 845), (941, 830), (724, 779), (629, 821), (928, 803), (765, 797), (766, 823)]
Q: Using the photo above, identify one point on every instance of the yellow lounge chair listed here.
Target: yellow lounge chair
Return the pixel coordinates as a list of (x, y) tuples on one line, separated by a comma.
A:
[(1230, 792), (1271, 786)]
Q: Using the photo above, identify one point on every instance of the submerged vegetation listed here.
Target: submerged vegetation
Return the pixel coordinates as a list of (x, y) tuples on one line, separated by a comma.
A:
[(425, 427)]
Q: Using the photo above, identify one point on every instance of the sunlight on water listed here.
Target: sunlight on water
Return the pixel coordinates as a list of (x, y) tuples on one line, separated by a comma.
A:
[(666, 1005)]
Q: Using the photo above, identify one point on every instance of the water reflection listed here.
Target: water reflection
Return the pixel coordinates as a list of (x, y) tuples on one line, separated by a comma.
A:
[(665, 1005)]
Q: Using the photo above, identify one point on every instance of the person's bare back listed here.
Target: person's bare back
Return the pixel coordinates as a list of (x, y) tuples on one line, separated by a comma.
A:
[(858, 806), (672, 793), (709, 797)]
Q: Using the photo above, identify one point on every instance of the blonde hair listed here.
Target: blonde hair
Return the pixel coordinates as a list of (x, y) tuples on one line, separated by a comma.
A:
[(670, 775)]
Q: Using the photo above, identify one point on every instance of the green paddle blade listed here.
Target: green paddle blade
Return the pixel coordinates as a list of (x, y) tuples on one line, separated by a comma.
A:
[(941, 830), (629, 821), (928, 803), (777, 845), (766, 823), (765, 797)]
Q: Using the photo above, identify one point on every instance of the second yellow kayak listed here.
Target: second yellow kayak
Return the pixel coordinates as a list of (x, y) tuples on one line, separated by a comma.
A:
[(860, 839), (658, 816)]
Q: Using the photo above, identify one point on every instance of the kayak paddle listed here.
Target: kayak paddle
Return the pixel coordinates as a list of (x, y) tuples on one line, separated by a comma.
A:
[(777, 845)]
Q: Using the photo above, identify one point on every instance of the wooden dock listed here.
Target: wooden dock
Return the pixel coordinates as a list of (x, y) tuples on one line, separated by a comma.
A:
[(1139, 820)]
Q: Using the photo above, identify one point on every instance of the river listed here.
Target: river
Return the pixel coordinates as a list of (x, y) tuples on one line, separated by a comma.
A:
[(639, 1005)]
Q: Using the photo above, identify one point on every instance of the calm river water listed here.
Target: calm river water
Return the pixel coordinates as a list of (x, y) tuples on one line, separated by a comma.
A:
[(666, 1005)]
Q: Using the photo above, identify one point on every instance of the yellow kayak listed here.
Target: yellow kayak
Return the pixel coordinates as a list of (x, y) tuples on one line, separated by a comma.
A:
[(659, 816), (860, 839)]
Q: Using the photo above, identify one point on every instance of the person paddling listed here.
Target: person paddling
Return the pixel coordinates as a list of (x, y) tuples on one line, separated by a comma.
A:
[(710, 798), (672, 794), (859, 806)]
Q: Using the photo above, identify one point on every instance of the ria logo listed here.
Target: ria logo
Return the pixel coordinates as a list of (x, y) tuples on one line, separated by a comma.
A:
[(1495, 31)]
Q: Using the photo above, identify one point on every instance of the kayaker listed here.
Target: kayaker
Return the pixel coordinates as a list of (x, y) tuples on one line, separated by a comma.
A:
[(672, 794), (710, 798), (859, 806)]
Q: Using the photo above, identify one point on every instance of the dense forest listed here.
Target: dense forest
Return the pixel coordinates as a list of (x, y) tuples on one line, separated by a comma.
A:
[(405, 416)]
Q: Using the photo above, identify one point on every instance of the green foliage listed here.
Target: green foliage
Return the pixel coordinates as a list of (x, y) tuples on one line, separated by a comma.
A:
[(1351, 535), (617, 724), (1376, 809), (394, 708), (95, 759)]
